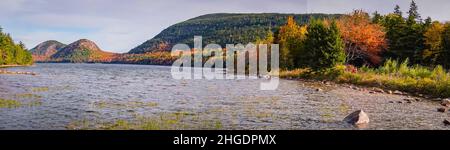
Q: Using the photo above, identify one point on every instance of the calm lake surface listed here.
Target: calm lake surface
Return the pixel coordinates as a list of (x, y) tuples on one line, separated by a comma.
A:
[(62, 94)]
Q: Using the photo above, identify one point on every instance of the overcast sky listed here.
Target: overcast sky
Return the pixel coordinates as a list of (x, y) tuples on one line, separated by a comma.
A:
[(119, 25)]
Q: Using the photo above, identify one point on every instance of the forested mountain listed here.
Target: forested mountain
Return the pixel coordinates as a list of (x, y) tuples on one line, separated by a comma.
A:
[(222, 29), (82, 51), (12, 53), (46, 49)]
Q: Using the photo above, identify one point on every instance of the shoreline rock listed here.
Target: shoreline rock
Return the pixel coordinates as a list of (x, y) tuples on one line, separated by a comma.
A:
[(378, 90), (445, 102), (358, 118), (442, 110)]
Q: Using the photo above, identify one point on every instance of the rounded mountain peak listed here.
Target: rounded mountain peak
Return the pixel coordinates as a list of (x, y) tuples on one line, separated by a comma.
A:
[(47, 48), (84, 44)]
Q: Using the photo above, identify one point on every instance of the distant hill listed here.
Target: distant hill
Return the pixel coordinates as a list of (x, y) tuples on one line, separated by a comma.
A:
[(82, 51), (215, 28), (46, 49), (222, 29)]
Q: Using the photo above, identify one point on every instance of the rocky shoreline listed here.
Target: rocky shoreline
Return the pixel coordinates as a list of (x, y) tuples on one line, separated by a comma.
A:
[(442, 104), (17, 72), (4, 71)]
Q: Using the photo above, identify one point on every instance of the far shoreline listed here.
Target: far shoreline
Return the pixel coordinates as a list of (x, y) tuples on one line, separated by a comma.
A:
[(11, 66)]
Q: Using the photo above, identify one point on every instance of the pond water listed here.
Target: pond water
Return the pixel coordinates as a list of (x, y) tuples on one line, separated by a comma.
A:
[(62, 94)]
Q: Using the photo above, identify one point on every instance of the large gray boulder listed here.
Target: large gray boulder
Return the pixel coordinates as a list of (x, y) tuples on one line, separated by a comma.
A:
[(357, 118)]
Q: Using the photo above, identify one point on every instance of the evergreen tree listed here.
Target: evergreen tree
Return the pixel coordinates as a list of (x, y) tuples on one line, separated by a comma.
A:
[(428, 22), (323, 45), (415, 39), (397, 11), (395, 27), (376, 17), (413, 13), (406, 40)]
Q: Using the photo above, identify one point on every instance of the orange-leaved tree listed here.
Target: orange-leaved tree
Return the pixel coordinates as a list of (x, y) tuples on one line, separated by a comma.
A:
[(364, 40)]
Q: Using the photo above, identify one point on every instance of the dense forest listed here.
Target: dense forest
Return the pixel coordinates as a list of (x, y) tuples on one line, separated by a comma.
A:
[(366, 40), (222, 29), (12, 53), (393, 51)]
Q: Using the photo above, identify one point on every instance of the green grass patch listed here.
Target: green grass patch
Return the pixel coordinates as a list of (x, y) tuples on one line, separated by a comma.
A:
[(392, 75), (122, 105), (7, 103), (39, 89), (28, 96)]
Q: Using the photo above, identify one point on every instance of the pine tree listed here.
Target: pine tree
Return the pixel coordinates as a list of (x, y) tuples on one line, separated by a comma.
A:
[(376, 17), (395, 27), (397, 10), (406, 40), (428, 21), (413, 13), (323, 46)]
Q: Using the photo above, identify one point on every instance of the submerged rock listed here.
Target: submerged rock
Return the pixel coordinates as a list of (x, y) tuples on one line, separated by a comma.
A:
[(90, 111), (358, 118)]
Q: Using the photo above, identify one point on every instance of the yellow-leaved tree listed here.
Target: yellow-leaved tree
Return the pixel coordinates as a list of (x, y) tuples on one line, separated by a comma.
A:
[(290, 38), (433, 42)]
